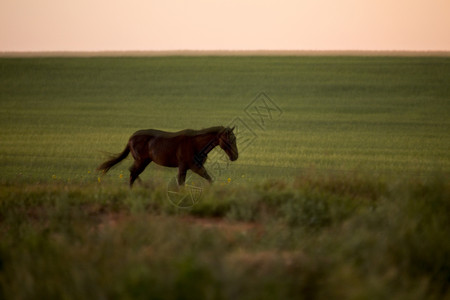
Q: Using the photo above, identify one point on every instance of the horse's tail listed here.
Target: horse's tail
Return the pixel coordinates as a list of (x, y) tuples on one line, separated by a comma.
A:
[(114, 160)]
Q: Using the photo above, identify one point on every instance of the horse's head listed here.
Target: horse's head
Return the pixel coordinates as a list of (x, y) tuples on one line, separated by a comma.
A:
[(227, 141)]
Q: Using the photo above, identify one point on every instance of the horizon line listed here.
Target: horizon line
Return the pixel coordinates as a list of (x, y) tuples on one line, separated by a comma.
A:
[(187, 52)]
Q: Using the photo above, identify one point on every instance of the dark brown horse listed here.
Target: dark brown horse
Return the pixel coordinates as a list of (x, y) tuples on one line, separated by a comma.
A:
[(186, 149)]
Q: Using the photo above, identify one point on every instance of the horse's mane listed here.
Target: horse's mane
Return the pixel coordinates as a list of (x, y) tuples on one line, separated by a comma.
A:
[(215, 129)]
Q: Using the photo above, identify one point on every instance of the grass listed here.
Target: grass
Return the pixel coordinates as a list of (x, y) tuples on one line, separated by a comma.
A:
[(382, 114), (342, 194), (319, 237)]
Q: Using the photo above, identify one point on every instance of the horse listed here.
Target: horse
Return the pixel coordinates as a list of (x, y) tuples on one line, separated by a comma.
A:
[(186, 149)]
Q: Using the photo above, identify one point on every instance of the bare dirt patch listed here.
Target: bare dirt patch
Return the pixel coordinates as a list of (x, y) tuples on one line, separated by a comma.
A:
[(224, 225)]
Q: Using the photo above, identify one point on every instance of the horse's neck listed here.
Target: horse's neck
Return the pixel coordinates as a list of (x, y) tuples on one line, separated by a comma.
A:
[(207, 142)]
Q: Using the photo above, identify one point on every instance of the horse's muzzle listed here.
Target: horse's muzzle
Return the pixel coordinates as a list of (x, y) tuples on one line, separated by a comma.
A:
[(234, 156)]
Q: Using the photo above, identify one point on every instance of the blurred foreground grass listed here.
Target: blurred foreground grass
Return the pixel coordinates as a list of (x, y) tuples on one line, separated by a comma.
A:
[(318, 237)]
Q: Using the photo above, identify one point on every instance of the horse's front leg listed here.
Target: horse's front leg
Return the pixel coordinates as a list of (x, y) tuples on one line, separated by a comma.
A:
[(202, 172)]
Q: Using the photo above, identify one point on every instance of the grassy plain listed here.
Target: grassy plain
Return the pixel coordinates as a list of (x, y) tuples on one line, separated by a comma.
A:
[(376, 114), (342, 193)]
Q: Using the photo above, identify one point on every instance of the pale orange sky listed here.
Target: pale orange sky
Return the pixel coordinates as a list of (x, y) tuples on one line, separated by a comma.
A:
[(120, 25)]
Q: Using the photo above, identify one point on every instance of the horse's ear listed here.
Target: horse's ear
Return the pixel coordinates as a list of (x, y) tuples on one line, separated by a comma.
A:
[(232, 128)]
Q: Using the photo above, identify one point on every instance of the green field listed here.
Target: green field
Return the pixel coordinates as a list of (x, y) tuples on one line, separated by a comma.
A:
[(341, 188), (338, 113)]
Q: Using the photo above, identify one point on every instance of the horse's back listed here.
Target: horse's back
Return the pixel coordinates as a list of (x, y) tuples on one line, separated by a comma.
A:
[(164, 134), (149, 132)]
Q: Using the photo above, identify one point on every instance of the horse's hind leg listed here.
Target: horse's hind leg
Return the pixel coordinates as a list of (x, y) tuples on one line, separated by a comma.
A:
[(181, 175), (137, 168)]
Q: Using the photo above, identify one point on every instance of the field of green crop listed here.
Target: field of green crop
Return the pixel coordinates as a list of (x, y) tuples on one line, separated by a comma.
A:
[(341, 189), (337, 113)]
